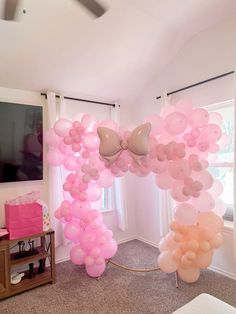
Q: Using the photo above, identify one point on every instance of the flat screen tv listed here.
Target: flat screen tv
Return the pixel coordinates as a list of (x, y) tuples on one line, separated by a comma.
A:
[(21, 149)]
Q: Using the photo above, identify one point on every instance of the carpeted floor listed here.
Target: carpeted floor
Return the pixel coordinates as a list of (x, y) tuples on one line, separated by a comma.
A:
[(118, 291)]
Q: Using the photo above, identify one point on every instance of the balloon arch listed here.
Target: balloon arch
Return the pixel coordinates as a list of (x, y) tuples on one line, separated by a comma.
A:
[(176, 146)]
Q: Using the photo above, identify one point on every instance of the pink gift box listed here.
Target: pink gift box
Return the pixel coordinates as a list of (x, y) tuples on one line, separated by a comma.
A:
[(23, 220)]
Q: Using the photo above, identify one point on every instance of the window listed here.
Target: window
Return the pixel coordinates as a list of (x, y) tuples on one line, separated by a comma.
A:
[(222, 167), (107, 199)]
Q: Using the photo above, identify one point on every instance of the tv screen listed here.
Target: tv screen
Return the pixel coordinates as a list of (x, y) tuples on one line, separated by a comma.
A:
[(21, 149)]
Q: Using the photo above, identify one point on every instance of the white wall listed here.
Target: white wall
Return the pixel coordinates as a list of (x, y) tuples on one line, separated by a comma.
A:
[(11, 190), (208, 54)]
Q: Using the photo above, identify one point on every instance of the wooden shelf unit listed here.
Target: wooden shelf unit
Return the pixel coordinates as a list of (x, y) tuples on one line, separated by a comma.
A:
[(46, 251)]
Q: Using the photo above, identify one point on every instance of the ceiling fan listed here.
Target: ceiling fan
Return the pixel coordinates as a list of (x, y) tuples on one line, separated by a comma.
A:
[(10, 8)]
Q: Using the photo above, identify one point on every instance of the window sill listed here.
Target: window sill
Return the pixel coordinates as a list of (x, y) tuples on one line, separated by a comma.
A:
[(107, 211)]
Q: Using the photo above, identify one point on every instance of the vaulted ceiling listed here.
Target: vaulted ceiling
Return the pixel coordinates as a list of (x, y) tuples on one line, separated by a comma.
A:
[(59, 46)]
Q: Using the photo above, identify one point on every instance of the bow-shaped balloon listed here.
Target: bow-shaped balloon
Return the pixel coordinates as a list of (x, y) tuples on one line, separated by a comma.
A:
[(111, 144)]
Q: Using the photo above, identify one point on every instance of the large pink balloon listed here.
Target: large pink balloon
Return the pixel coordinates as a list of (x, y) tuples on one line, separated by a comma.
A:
[(186, 214), (175, 123), (198, 118), (89, 122), (166, 262), (51, 138), (177, 193), (77, 255), (91, 142), (217, 188), (157, 124), (62, 127), (109, 249), (204, 177), (96, 270), (65, 149), (164, 181), (94, 192), (179, 169), (72, 230), (55, 158), (105, 179), (215, 118), (70, 163), (211, 133), (203, 203)]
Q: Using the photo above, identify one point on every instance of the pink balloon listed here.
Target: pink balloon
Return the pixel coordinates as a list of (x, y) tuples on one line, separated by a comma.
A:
[(179, 169), (88, 121), (70, 163), (220, 207), (177, 193), (51, 138), (204, 177), (96, 270), (223, 141), (211, 133), (62, 127), (109, 249), (215, 118), (65, 149), (184, 105), (175, 123), (157, 124), (87, 239), (105, 179), (79, 209), (186, 214), (166, 262), (77, 255), (203, 203), (54, 157), (94, 192), (109, 124), (166, 110), (198, 118), (158, 166), (72, 230), (91, 142), (164, 181), (95, 161), (216, 189)]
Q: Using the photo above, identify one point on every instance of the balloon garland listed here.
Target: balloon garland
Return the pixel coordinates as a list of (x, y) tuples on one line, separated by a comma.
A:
[(176, 146)]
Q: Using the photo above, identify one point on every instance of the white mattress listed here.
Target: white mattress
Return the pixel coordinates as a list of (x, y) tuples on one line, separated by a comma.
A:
[(206, 304)]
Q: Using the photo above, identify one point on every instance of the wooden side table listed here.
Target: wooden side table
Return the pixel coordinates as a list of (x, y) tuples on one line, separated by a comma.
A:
[(46, 252)]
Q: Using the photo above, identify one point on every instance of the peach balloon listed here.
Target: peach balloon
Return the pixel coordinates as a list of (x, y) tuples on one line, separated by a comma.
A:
[(216, 241), (204, 246), (166, 262), (193, 245), (211, 221), (189, 274), (203, 259)]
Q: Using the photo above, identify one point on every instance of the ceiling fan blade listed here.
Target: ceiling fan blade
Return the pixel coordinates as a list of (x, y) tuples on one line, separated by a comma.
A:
[(10, 8), (93, 6)]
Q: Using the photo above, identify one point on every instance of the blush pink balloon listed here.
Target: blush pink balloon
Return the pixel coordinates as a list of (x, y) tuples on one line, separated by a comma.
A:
[(186, 214), (65, 149), (55, 158), (179, 169), (51, 138), (62, 127), (164, 181), (203, 203), (105, 179), (157, 124), (211, 133), (215, 118), (175, 123), (198, 118), (204, 177), (216, 189), (220, 207), (177, 193)]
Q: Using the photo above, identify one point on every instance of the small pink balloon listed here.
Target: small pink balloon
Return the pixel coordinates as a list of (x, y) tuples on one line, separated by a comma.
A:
[(65, 149), (179, 169), (177, 193), (55, 157), (94, 192), (51, 138), (175, 123), (62, 127), (204, 177)]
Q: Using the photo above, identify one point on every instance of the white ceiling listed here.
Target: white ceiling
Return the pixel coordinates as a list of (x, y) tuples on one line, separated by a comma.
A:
[(59, 46)]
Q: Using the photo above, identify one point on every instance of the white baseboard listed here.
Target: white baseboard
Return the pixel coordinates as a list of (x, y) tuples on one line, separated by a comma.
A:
[(126, 240), (147, 241), (62, 259), (222, 272)]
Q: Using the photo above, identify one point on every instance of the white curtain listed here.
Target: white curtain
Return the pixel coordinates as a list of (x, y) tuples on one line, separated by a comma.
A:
[(119, 185), (165, 204), (234, 213), (55, 175)]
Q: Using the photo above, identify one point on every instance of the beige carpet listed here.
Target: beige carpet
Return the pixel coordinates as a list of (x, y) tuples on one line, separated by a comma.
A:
[(118, 291)]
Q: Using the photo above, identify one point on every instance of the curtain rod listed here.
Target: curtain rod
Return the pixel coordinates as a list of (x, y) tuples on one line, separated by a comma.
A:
[(199, 83), (80, 99)]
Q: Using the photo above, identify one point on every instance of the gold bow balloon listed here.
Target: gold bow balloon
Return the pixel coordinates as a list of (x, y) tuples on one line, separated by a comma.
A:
[(111, 144)]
